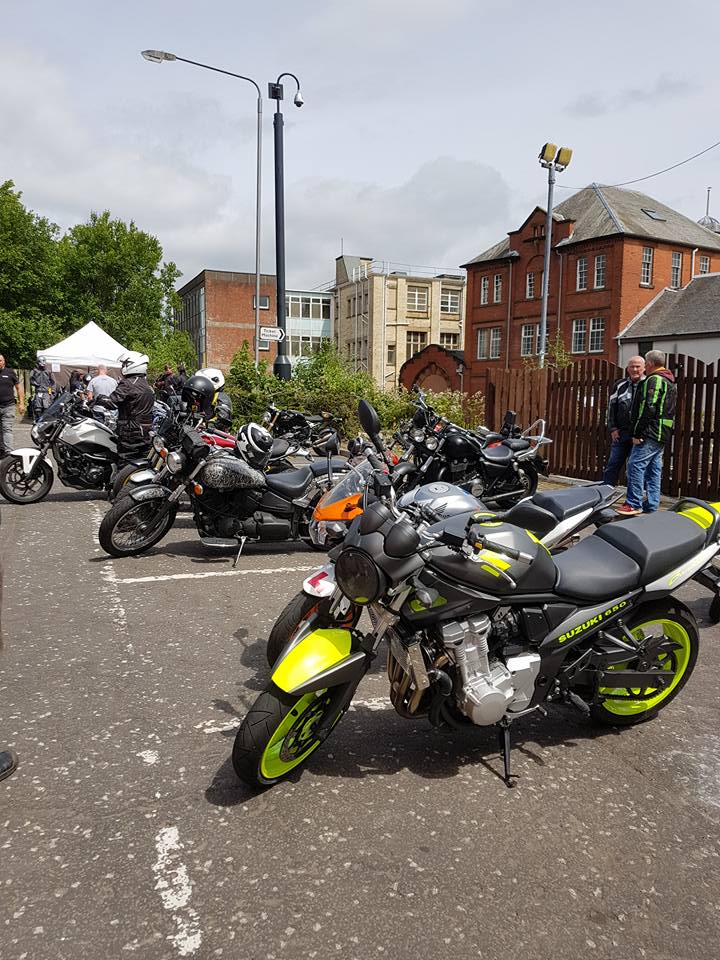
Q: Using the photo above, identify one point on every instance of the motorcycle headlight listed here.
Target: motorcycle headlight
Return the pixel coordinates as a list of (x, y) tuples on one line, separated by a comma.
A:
[(175, 462), (158, 444), (418, 436), (267, 417), (431, 443), (358, 576)]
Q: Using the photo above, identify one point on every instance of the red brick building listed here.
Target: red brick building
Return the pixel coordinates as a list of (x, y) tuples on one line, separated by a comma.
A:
[(613, 251)]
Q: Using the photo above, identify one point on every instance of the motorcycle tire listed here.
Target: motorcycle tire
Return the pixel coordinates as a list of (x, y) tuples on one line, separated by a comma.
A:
[(276, 736), (527, 488), (302, 608), (679, 626), (116, 530), (117, 487), (15, 489)]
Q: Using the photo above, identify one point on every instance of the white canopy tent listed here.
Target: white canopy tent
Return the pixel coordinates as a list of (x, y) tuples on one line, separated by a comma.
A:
[(87, 347)]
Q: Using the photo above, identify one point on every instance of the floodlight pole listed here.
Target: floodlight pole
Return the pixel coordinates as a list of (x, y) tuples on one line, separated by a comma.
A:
[(546, 264)]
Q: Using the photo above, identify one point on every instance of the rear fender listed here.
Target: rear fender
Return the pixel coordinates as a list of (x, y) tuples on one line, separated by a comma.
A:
[(153, 492), (28, 456), (321, 583), (324, 658)]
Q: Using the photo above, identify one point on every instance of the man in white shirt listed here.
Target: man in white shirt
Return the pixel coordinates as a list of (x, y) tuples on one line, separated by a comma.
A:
[(101, 384)]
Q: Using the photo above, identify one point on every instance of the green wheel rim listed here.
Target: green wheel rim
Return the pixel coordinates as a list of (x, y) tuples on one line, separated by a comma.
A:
[(280, 757), (620, 701)]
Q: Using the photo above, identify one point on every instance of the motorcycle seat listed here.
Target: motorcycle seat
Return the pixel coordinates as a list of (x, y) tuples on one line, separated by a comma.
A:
[(658, 542), (563, 504), (594, 570), (319, 467), (315, 419), (289, 483), (517, 445), (501, 454)]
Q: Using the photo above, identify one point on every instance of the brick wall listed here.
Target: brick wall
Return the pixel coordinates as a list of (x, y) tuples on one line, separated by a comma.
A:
[(433, 368), (230, 315)]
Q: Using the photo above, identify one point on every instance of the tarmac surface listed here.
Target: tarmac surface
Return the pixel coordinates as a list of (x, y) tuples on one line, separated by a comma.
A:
[(125, 832)]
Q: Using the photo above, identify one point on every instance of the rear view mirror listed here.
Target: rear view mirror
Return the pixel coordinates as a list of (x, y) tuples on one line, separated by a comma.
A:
[(370, 422)]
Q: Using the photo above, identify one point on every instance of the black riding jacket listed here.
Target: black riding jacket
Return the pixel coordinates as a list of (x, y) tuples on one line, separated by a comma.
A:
[(623, 401), (133, 398)]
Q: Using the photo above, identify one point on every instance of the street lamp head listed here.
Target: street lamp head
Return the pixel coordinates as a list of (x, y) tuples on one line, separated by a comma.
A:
[(157, 56), (298, 99), (547, 153), (563, 158)]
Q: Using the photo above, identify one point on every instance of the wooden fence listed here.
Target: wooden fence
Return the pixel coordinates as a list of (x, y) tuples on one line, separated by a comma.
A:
[(573, 402)]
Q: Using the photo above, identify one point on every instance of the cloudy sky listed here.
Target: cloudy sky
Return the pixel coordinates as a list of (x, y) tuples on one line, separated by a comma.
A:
[(418, 139)]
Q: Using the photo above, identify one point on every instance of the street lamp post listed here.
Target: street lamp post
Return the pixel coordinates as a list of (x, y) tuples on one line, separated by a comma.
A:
[(554, 160), (282, 367), (157, 56)]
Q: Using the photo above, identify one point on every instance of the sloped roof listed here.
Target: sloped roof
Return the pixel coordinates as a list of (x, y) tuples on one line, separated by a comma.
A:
[(600, 211), (694, 310)]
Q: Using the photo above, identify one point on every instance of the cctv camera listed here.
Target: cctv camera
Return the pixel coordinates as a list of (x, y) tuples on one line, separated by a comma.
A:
[(298, 100)]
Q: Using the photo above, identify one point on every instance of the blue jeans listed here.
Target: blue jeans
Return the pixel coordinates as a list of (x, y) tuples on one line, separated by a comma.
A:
[(644, 473), (619, 452)]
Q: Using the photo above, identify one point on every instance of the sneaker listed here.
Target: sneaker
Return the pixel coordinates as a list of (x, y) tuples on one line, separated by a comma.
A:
[(8, 763), (627, 511)]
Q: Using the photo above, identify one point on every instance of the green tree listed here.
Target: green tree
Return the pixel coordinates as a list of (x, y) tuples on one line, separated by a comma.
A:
[(113, 273), (31, 300), (557, 356), (173, 348)]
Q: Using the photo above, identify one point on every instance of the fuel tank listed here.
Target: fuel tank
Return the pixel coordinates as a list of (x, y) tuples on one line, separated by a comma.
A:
[(89, 436)]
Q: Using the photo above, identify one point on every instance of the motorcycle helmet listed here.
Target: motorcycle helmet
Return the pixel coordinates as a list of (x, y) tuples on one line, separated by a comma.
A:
[(212, 373), (198, 393), (254, 444), (87, 378), (134, 363)]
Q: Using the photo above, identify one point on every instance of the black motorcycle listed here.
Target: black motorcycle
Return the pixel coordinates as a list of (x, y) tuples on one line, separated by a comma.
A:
[(231, 501), (300, 428)]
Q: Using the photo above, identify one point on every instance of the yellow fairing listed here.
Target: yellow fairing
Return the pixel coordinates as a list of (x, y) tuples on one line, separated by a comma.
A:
[(700, 515), (319, 651)]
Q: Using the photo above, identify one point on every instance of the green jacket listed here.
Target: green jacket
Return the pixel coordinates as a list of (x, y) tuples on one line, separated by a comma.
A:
[(655, 410)]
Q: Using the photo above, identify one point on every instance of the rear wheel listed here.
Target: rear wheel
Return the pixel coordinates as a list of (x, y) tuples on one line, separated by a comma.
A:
[(672, 643), (302, 609), (15, 485), (130, 527), (117, 487), (279, 734)]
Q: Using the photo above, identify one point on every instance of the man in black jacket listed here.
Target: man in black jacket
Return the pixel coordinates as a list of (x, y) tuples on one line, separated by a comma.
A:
[(653, 422), (133, 398), (620, 418)]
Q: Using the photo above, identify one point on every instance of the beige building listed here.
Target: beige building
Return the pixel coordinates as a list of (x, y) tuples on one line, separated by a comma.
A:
[(385, 313)]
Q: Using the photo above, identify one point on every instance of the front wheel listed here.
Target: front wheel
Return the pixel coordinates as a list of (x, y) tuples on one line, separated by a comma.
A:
[(15, 485), (119, 481), (300, 610), (131, 527), (279, 734), (672, 643)]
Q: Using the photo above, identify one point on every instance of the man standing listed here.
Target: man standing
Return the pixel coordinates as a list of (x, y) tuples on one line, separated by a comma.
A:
[(101, 384), (10, 389), (133, 398), (652, 428), (43, 384), (620, 418)]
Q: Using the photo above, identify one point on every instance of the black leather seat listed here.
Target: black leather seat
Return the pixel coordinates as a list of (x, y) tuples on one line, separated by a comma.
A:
[(289, 483), (594, 570), (567, 503), (658, 542), (499, 454), (319, 467), (517, 445)]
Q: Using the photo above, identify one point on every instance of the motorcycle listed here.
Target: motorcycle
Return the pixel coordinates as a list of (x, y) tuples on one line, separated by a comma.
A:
[(231, 501), (486, 626), (84, 449), (297, 427)]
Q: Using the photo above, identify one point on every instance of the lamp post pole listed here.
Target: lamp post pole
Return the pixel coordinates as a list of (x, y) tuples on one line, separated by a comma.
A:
[(282, 367), (157, 56), (554, 160)]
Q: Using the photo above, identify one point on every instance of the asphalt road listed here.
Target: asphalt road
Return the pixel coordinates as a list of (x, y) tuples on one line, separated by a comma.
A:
[(125, 832)]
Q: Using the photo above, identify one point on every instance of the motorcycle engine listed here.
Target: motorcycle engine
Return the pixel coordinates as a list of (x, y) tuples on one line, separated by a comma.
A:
[(76, 470), (489, 688)]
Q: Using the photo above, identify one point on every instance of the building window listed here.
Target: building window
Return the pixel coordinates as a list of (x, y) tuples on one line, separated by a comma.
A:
[(676, 270), (600, 261), (646, 270), (451, 341), (495, 341), (497, 288), (529, 286), (449, 301), (484, 290), (264, 302), (597, 335), (704, 264), (417, 299), (391, 353), (528, 337), (482, 344), (309, 307), (416, 342), (579, 333), (581, 274)]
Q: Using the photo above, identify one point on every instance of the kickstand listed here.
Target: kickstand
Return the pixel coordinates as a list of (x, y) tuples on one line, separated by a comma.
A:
[(504, 738), (242, 544)]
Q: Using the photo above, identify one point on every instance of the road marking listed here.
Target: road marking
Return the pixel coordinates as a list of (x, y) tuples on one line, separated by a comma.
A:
[(149, 756), (214, 573), (213, 726), (175, 888)]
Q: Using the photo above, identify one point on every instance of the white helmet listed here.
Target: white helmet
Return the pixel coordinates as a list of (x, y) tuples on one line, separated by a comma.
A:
[(133, 362), (212, 373)]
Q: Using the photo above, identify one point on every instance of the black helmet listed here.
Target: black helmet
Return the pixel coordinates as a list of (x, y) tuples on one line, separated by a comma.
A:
[(254, 444), (87, 378), (198, 393)]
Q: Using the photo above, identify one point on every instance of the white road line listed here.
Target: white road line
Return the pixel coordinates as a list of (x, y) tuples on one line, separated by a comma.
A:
[(215, 726), (215, 573), (175, 889)]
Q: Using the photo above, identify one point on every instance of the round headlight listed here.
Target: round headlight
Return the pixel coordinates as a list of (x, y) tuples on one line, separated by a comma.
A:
[(175, 462), (158, 443), (431, 443), (358, 576), (266, 417), (418, 436)]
